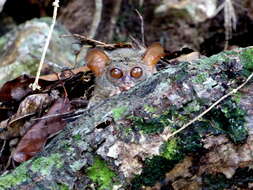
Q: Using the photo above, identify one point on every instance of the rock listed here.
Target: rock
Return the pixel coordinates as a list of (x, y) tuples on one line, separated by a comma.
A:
[(198, 10), (21, 49), (2, 2)]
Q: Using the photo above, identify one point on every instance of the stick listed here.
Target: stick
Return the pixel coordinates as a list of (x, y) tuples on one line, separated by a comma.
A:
[(35, 85), (96, 18), (142, 27)]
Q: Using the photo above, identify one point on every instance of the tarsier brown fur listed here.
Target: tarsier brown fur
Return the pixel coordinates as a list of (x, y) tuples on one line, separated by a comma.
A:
[(121, 69)]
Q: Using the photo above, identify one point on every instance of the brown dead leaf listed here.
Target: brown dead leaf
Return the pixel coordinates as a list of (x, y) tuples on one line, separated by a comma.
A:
[(14, 126), (35, 138), (64, 74), (18, 88)]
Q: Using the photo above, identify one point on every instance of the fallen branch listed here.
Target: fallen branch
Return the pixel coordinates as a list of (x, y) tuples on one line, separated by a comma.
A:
[(124, 131)]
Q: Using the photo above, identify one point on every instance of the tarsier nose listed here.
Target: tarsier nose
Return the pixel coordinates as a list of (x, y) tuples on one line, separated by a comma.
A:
[(127, 84)]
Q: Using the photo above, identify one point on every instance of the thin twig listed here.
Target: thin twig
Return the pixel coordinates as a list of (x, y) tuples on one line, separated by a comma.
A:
[(136, 42), (35, 85), (96, 18), (230, 21), (211, 107), (96, 43), (221, 7), (2, 149), (142, 27), (85, 39), (53, 116), (114, 16), (8, 162)]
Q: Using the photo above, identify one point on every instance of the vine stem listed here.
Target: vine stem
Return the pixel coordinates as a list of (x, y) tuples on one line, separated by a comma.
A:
[(35, 85)]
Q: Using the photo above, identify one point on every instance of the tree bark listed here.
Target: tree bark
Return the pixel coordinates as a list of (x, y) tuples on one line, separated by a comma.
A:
[(114, 144)]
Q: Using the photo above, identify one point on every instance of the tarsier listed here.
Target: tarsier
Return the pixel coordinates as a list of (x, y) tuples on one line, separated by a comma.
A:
[(121, 69)]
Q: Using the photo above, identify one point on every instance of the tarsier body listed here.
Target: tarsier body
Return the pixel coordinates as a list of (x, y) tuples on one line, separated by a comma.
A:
[(121, 69)]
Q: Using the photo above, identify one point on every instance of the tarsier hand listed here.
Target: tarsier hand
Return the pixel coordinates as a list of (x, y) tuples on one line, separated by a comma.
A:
[(121, 69)]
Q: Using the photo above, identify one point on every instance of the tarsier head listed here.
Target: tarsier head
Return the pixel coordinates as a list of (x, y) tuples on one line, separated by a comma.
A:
[(121, 69)]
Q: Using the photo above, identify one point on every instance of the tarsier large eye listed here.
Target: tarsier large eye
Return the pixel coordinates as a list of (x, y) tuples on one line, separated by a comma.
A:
[(116, 73), (136, 72)]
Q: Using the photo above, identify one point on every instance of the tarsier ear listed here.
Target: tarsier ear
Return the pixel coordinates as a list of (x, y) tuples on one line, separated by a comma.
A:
[(153, 54), (96, 61)]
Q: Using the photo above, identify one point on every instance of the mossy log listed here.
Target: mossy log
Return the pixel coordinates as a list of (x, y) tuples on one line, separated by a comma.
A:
[(121, 143)]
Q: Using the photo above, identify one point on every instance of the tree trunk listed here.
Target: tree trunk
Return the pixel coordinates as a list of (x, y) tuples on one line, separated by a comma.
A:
[(122, 142)]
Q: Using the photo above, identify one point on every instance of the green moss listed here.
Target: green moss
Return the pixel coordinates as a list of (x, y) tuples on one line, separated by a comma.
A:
[(119, 112), (127, 130), (66, 144), (63, 187), (77, 137), (207, 63), (221, 57), (181, 74), (44, 165), (229, 119), (246, 58), (153, 171), (237, 97), (190, 139), (200, 78), (19, 175), (149, 109), (171, 149), (236, 129), (151, 124), (201, 64), (192, 106), (101, 174)]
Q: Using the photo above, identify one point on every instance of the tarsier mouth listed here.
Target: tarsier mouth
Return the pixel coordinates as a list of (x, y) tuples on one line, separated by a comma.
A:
[(126, 87)]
